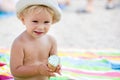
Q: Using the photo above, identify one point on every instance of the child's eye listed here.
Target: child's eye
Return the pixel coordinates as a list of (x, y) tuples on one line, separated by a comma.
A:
[(47, 22), (35, 21)]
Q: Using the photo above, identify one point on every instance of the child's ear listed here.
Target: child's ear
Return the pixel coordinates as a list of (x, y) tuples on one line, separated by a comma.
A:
[(22, 19)]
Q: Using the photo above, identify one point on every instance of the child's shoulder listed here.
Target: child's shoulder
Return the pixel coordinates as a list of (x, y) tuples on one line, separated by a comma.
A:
[(18, 40), (51, 38)]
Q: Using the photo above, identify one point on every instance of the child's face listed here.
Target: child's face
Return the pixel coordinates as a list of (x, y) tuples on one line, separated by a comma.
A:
[(37, 24)]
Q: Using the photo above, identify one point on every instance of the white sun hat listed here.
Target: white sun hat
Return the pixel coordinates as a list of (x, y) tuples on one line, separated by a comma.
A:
[(53, 4)]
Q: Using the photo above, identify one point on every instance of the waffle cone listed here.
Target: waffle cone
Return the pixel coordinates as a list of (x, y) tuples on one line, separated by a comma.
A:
[(51, 67)]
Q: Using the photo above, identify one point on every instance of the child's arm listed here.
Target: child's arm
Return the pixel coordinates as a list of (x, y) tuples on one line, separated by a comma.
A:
[(18, 69), (54, 52)]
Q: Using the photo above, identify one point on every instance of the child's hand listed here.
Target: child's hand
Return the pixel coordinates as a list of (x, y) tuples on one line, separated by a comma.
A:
[(58, 70), (44, 70)]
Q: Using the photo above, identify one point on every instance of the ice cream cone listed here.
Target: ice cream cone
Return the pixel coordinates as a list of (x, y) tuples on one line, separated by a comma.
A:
[(53, 62)]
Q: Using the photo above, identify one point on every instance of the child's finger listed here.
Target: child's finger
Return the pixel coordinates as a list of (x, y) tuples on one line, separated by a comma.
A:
[(46, 67), (51, 74), (58, 70), (58, 67)]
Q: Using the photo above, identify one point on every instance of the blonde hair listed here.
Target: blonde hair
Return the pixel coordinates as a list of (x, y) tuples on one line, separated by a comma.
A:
[(37, 8)]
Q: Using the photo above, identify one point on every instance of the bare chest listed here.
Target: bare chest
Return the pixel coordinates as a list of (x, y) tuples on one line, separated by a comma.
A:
[(36, 52)]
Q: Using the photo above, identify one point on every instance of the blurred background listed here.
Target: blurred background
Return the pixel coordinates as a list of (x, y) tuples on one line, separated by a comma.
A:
[(85, 24), (88, 35)]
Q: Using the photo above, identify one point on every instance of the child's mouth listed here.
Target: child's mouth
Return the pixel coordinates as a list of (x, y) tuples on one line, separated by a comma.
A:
[(37, 32)]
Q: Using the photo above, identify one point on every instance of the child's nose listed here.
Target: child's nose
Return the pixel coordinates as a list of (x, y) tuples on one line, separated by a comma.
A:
[(41, 26)]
